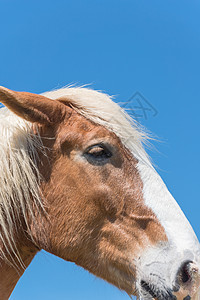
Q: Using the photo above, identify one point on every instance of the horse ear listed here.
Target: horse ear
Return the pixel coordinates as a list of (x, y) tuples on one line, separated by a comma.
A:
[(31, 107)]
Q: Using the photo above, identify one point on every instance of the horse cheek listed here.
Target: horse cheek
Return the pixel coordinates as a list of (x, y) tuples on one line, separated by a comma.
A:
[(108, 200)]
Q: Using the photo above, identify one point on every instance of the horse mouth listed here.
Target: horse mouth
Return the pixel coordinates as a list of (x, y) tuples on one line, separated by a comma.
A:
[(153, 293), (185, 286)]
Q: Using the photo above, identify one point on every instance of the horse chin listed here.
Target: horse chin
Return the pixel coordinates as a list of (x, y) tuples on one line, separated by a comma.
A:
[(121, 277)]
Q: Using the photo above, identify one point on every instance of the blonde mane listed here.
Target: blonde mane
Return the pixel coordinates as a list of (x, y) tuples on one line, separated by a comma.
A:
[(19, 180)]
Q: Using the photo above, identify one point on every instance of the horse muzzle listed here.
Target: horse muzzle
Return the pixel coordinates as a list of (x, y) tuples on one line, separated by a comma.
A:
[(186, 285)]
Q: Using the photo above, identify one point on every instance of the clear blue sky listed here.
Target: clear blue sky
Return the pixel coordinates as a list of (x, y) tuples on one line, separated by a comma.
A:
[(121, 47)]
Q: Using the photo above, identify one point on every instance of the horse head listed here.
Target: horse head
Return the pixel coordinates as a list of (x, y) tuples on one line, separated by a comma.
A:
[(101, 203)]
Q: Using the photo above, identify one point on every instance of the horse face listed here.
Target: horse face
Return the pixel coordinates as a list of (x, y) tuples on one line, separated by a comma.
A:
[(94, 198), (103, 216), (108, 211)]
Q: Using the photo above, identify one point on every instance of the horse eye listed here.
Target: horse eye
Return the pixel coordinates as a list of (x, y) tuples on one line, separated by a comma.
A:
[(98, 153)]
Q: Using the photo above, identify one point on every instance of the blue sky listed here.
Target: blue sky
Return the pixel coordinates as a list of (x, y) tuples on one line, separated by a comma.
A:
[(120, 47)]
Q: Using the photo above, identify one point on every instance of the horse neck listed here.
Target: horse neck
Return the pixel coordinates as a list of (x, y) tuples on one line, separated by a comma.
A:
[(10, 272)]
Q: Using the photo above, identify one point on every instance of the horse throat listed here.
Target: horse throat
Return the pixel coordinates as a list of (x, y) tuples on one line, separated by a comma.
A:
[(10, 273)]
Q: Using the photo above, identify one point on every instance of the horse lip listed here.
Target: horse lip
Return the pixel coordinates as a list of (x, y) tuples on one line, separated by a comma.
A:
[(157, 294)]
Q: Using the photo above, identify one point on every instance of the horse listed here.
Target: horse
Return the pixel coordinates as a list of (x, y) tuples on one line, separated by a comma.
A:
[(77, 182)]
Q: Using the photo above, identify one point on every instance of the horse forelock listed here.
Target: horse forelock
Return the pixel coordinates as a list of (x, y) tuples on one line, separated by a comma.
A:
[(101, 109)]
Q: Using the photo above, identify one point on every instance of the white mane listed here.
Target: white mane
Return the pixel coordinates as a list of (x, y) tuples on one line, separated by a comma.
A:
[(19, 180)]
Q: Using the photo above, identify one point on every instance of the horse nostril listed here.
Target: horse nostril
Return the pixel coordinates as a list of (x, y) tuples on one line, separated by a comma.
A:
[(187, 281), (184, 274)]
